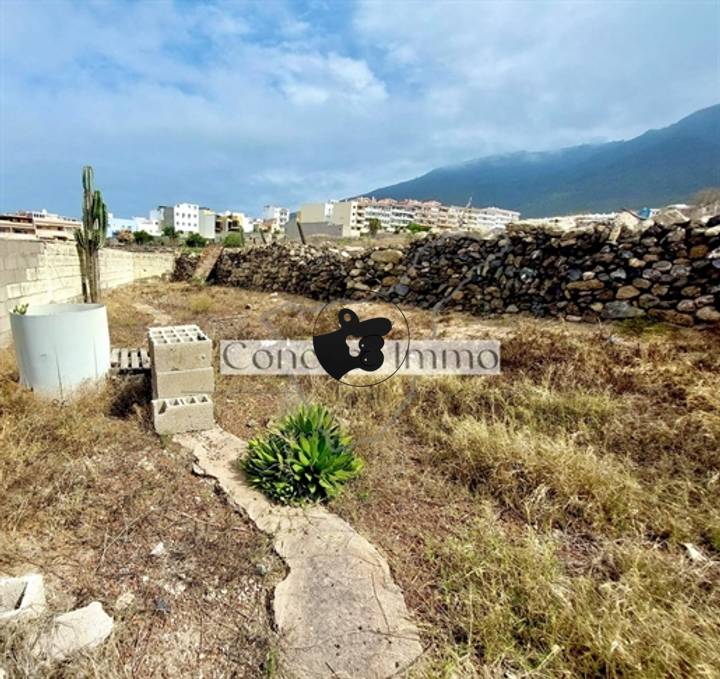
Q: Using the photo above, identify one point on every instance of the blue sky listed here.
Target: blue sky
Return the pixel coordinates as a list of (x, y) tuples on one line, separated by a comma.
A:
[(233, 105)]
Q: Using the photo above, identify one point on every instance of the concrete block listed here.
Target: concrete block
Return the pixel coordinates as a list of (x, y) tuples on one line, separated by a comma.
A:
[(21, 598), (179, 347), (78, 630), (177, 415), (172, 383)]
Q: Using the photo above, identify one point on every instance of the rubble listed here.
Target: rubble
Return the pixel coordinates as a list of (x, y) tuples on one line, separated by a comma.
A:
[(21, 598), (81, 629)]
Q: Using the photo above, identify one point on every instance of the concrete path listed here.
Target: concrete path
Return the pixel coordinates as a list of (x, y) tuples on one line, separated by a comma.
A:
[(338, 612)]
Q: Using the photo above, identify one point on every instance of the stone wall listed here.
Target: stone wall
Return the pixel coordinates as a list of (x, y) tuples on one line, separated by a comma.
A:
[(667, 268), (38, 272)]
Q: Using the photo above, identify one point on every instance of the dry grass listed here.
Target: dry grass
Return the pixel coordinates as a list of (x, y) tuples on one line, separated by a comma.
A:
[(535, 520), (86, 491)]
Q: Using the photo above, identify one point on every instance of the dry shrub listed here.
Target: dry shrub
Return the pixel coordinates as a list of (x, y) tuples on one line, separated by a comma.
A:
[(638, 612), (550, 481)]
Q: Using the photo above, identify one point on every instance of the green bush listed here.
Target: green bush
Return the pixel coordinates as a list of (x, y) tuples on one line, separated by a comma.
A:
[(417, 228), (234, 240), (142, 237), (306, 458), (195, 240)]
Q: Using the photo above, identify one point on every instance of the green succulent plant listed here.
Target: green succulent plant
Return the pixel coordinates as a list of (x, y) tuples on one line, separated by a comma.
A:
[(305, 458)]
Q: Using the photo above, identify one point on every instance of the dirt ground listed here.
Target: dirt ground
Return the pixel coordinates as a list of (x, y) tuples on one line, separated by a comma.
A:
[(537, 521)]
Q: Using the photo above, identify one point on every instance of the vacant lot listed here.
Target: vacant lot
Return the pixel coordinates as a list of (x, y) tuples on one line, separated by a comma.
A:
[(559, 520)]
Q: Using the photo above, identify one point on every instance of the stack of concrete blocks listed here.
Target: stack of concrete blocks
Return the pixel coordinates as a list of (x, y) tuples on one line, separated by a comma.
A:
[(182, 379)]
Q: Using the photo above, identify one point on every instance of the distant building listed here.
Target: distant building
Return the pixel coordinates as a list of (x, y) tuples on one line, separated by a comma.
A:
[(396, 215), (276, 216), (39, 224), (229, 222), (186, 217), (149, 224), (206, 222)]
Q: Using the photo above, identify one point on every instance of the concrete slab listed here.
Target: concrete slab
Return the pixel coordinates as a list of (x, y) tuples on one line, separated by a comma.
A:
[(339, 612), (177, 415), (22, 597), (81, 629), (173, 383)]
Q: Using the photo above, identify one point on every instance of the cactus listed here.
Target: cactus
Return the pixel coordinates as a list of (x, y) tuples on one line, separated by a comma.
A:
[(91, 237)]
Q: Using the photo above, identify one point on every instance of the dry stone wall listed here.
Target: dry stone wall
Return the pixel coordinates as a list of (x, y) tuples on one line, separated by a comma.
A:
[(667, 268)]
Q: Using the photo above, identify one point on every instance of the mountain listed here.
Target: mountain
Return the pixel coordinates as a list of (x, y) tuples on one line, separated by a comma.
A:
[(657, 168)]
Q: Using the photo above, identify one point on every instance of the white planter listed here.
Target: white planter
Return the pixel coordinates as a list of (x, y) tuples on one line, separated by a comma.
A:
[(61, 346)]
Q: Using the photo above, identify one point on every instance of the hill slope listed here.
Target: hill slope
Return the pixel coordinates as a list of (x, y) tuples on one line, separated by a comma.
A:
[(658, 167)]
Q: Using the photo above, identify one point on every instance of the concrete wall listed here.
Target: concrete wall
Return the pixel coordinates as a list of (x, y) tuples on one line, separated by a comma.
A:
[(39, 272)]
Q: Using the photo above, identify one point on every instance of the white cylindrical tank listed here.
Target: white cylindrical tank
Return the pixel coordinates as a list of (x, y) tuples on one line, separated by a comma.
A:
[(61, 346)]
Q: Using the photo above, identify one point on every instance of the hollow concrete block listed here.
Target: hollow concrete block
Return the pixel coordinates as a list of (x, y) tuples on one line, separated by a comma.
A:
[(174, 383), (179, 347), (177, 415)]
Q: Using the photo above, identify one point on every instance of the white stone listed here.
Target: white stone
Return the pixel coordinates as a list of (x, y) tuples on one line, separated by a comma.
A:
[(81, 629), (694, 553), (22, 597), (158, 549)]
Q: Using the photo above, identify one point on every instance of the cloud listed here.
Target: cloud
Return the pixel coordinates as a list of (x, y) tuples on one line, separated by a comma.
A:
[(235, 105)]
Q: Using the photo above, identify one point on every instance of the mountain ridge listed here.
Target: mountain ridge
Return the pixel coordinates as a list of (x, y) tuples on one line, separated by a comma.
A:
[(658, 167)]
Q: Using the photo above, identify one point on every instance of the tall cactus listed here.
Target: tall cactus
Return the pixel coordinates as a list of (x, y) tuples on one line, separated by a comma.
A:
[(91, 237)]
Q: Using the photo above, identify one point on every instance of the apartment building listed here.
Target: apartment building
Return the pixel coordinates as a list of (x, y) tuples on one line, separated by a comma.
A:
[(206, 223), (276, 217), (229, 222), (39, 224)]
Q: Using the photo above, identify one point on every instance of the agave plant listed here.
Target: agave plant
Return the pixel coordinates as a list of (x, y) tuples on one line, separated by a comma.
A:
[(306, 458)]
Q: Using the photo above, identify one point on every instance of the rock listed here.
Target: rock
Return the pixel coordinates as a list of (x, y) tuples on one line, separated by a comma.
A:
[(22, 598), (648, 301), (401, 289), (626, 220), (592, 284), (686, 306), (387, 256), (669, 217), (636, 263), (708, 314), (698, 251), (597, 306), (618, 275), (512, 309), (81, 629), (125, 600), (627, 292), (694, 553), (670, 316), (457, 295), (662, 266), (158, 550), (713, 231), (619, 310)]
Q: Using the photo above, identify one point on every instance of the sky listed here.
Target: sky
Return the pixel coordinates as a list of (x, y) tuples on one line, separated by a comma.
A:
[(234, 105)]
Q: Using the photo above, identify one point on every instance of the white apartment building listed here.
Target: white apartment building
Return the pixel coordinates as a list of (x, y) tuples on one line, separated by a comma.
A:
[(277, 216), (186, 217), (396, 215), (149, 224)]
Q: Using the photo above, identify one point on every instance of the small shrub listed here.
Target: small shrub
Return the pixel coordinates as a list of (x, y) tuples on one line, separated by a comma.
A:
[(142, 237), (195, 240), (306, 458), (234, 240)]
